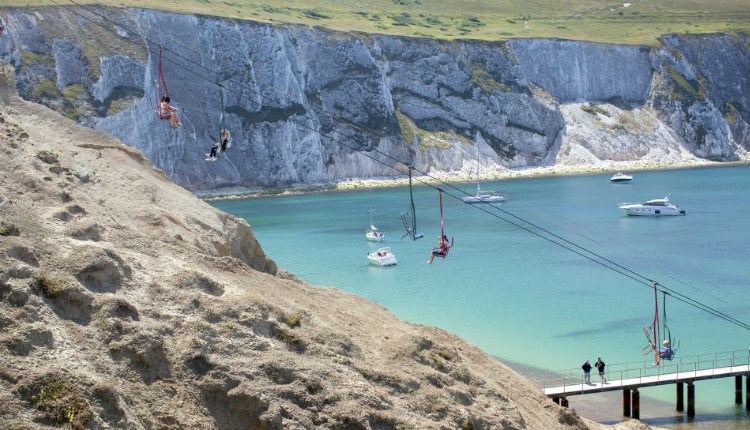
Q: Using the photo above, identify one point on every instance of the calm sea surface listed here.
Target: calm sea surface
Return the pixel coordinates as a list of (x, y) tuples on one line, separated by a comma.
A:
[(533, 303)]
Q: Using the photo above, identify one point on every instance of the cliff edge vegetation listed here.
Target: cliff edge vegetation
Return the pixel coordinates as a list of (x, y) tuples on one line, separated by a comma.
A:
[(635, 22)]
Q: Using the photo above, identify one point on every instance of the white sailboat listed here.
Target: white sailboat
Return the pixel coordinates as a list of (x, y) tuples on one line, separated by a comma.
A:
[(483, 196), (373, 234)]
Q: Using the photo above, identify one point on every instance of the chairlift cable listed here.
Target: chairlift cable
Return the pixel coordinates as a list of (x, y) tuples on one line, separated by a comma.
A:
[(527, 225)]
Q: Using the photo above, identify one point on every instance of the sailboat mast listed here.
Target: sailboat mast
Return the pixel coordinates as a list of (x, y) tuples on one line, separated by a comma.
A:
[(413, 211), (477, 146), (369, 209)]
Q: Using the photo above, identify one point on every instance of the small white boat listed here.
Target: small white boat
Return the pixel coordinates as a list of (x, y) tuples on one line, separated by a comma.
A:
[(382, 257), (656, 207), (483, 197), (486, 197), (620, 177), (374, 235)]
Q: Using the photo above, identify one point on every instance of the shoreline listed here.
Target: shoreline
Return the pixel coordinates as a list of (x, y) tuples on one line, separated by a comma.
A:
[(458, 177)]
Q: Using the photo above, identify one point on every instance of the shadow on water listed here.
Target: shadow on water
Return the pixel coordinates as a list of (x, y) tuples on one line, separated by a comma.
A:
[(620, 325)]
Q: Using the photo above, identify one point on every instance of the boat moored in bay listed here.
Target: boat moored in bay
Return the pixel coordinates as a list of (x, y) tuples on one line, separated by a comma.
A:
[(382, 257), (655, 207), (620, 177)]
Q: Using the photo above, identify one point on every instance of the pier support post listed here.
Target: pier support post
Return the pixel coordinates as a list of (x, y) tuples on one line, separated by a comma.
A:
[(564, 402), (738, 390), (626, 403), (556, 400), (636, 405), (747, 392), (691, 400), (680, 397)]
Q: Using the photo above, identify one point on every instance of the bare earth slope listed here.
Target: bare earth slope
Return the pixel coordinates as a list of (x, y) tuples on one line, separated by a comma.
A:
[(125, 302)]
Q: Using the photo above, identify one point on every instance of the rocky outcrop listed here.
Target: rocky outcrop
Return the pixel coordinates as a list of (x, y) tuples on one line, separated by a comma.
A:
[(704, 93), (308, 106)]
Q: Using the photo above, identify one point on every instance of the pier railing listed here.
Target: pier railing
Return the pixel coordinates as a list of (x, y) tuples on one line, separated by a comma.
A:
[(616, 373)]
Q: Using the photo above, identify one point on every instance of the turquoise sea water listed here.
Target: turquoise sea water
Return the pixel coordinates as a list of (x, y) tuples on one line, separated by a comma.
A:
[(533, 303)]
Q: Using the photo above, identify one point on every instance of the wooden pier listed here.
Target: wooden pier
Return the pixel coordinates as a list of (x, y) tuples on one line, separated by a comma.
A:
[(630, 379)]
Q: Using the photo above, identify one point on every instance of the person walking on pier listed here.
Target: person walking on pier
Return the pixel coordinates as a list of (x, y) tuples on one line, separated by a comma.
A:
[(600, 367), (586, 372)]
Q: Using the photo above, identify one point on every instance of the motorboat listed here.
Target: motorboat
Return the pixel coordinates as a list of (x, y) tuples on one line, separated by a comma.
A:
[(382, 257), (374, 235), (620, 177), (656, 207)]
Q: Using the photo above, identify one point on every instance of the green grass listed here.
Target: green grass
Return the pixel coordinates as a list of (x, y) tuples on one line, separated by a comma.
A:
[(45, 88), (689, 89), (292, 320), (60, 403), (730, 113), (481, 77), (593, 109), (427, 139), (72, 92), (407, 127), (47, 286), (28, 57), (8, 229), (593, 20)]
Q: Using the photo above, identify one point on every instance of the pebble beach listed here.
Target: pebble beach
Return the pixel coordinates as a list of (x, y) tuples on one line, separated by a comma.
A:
[(497, 174)]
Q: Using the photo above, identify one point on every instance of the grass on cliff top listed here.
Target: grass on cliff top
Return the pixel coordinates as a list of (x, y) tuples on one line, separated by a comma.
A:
[(640, 22)]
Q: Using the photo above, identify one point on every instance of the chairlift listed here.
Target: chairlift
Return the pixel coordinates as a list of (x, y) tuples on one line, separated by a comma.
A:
[(663, 349), (162, 93), (409, 217), (443, 246), (224, 135), (224, 141)]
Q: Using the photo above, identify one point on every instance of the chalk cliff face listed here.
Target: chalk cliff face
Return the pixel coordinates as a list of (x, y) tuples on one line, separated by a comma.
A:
[(308, 106), (593, 72)]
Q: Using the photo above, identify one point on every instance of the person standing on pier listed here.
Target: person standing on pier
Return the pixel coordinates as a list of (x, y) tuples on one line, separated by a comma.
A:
[(600, 367), (586, 372)]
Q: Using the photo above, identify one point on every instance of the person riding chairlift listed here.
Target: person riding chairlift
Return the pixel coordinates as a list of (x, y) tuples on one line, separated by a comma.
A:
[(665, 351), (224, 144), (167, 111), (443, 245), (441, 250)]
